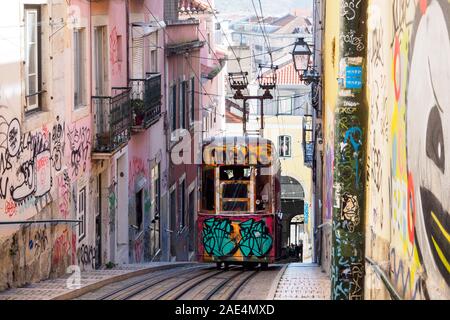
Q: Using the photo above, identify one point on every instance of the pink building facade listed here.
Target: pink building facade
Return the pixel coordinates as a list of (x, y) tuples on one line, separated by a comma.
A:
[(46, 221)]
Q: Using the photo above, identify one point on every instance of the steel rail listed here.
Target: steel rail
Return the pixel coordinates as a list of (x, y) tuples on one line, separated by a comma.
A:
[(149, 282), (225, 281), (195, 284), (238, 288)]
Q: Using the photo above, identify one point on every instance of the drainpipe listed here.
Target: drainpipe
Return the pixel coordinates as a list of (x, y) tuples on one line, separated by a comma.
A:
[(348, 233)]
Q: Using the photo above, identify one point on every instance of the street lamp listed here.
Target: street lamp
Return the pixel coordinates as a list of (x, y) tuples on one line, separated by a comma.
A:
[(301, 55)]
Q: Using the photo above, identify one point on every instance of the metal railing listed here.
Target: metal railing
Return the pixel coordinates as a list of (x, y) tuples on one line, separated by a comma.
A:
[(146, 100), (29, 222), (384, 278), (112, 120)]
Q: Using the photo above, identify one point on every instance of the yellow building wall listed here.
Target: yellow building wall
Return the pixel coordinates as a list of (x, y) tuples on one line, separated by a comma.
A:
[(408, 165), (295, 165), (330, 90)]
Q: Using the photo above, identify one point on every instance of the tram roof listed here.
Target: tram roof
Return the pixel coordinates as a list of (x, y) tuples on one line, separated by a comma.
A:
[(254, 150)]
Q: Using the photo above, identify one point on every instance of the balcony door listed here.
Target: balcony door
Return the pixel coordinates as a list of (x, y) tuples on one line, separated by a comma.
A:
[(101, 73)]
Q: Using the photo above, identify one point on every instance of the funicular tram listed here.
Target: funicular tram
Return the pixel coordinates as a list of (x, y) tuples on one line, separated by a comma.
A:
[(239, 218)]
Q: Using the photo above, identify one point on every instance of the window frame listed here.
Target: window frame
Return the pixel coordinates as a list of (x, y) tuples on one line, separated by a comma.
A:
[(183, 94), (282, 139), (80, 72), (192, 102), (279, 104), (81, 213), (182, 204), (173, 106), (38, 52), (139, 194)]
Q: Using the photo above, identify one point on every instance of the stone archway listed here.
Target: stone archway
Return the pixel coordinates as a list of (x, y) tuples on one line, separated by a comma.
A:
[(292, 205)]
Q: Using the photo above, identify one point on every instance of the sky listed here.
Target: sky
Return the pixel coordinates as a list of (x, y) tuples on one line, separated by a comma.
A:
[(270, 7)]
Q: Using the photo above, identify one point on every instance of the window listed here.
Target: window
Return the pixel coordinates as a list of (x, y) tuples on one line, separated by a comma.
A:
[(119, 49), (182, 207), (154, 61), (183, 105), (100, 58), (208, 189), (32, 57), (285, 106), (192, 102), (139, 214), (285, 146), (235, 189), (209, 41), (82, 214), (79, 68), (174, 107), (157, 209)]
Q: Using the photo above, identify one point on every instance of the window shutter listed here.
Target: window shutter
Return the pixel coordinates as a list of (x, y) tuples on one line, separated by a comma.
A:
[(138, 58)]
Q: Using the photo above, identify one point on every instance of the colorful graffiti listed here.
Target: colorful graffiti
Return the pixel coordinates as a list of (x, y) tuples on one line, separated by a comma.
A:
[(348, 227), (407, 160), (222, 237), (39, 171), (422, 72)]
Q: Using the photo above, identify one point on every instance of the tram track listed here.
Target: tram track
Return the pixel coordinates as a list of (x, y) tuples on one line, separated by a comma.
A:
[(136, 287), (193, 283), (232, 279)]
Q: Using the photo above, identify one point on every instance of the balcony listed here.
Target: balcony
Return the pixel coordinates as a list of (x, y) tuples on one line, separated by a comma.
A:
[(112, 121), (145, 101)]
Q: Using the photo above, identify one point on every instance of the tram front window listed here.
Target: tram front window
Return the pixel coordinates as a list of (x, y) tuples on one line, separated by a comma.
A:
[(235, 184)]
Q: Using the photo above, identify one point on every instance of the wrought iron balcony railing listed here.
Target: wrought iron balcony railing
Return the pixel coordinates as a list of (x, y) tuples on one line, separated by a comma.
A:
[(146, 101), (112, 120)]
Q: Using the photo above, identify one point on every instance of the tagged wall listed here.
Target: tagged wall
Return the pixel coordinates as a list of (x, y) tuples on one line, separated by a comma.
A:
[(408, 161), (407, 202), (45, 157)]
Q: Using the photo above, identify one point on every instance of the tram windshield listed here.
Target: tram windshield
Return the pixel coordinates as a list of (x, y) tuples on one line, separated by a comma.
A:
[(235, 188), (238, 189)]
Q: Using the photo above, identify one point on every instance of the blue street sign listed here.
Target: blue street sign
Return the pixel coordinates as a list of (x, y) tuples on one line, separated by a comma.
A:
[(353, 77)]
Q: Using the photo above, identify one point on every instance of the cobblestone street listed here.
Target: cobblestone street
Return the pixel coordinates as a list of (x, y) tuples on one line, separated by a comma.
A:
[(303, 282)]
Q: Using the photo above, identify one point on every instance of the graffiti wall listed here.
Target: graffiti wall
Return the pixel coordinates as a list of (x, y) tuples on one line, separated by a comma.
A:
[(139, 204), (43, 177), (408, 162), (239, 239)]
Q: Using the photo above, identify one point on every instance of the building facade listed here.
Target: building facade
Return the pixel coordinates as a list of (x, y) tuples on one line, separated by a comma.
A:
[(403, 208)]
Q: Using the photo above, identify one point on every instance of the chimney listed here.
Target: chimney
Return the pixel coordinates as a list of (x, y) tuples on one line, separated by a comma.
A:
[(170, 10)]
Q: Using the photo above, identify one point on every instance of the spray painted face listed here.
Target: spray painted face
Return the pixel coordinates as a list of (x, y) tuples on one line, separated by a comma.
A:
[(428, 136)]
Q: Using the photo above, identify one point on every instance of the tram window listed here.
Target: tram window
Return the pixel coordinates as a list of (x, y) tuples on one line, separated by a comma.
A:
[(263, 191), (237, 206), (208, 190), (235, 191), (235, 173)]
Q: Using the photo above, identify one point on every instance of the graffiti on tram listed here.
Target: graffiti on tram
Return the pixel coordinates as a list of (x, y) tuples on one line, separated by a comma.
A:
[(239, 237)]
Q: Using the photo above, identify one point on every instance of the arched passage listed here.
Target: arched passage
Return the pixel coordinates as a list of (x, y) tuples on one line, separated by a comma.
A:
[(292, 205)]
